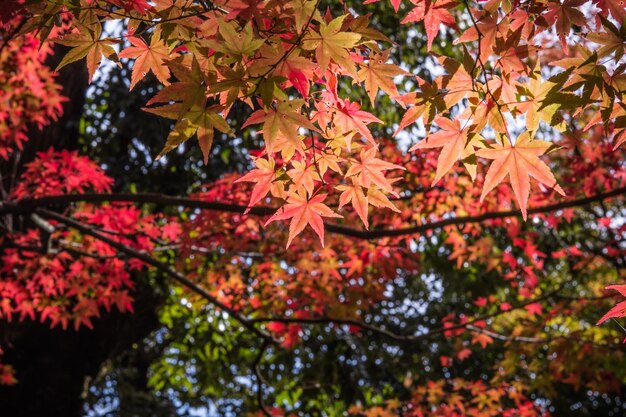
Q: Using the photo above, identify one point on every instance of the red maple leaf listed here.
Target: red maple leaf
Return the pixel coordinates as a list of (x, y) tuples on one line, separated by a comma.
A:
[(434, 15), (302, 211)]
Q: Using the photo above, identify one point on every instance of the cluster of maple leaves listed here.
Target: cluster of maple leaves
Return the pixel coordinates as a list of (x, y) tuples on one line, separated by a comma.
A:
[(255, 275), (284, 60), (28, 94), (62, 276), (67, 277), (457, 398), (529, 78)]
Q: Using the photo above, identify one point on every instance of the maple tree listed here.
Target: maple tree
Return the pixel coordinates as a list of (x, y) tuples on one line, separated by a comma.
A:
[(354, 222)]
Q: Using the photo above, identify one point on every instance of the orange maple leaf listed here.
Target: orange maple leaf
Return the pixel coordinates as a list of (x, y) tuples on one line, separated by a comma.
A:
[(453, 141), (379, 74), (520, 162), (354, 194), (485, 32), (370, 170), (482, 339), (148, 58), (263, 177), (303, 176), (87, 44)]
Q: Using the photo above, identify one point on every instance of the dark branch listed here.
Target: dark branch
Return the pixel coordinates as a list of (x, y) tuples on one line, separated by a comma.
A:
[(542, 340), (29, 205), (260, 381), (396, 336)]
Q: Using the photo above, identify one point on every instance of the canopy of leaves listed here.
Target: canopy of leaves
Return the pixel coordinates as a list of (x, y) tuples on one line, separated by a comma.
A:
[(331, 256)]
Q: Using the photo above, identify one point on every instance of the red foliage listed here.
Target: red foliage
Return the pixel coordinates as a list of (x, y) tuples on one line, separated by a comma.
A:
[(63, 172), (28, 94), (67, 278)]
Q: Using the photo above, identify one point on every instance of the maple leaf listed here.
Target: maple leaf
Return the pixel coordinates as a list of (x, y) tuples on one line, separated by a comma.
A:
[(505, 306), (236, 43), (349, 116), (171, 231), (332, 43), (485, 31), (327, 160), (198, 120), (286, 119), (620, 309), (534, 309), (303, 10), (304, 176), (177, 98), (511, 53), (612, 39), (262, 176), (565, 14), (464, 354), (434, 14), (302, 212), (520, 162), (206, 121), (148, 58), (87, 44), (370, 170), (354, 194), (379, 74), (427, 103), (453, 141), (482, 339), (187, 105), (504, 88)]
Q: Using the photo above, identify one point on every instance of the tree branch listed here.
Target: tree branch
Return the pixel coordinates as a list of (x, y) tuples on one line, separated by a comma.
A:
[(29, 205), (260, 381), (525, 339), (396, 336)]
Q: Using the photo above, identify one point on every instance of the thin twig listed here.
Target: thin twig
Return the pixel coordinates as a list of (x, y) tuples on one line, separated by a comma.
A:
[(260, 381)]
